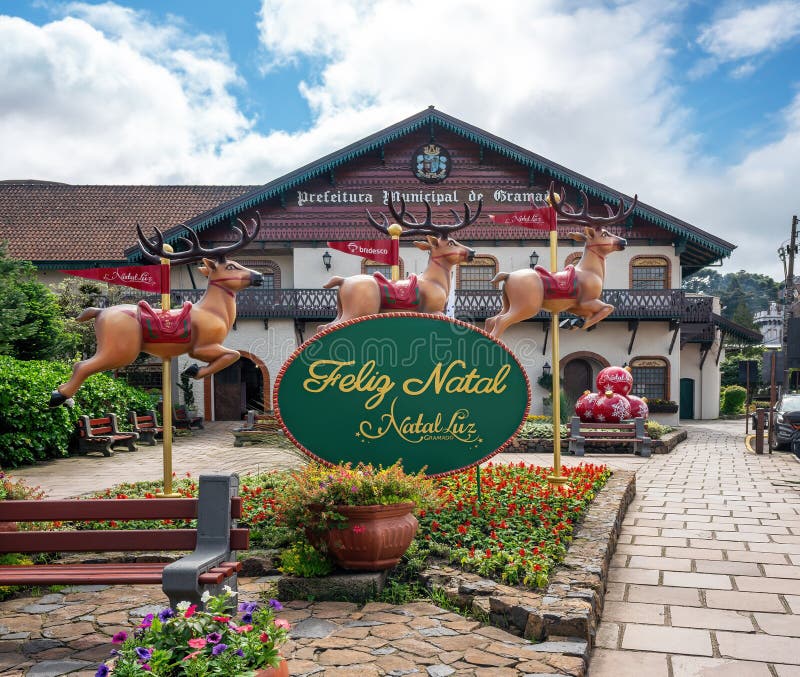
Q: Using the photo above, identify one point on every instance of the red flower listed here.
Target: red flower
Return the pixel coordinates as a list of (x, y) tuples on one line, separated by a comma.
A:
[(190, 611)]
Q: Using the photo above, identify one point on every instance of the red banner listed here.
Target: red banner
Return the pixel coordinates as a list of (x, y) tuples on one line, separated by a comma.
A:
[(540, 218), (146, 278), (382, 251)]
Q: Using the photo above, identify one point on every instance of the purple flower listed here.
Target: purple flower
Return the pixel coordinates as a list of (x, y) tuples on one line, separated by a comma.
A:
[(275, 604), (143, 653), (120, 637), (164, 614), (213, 638), (147, 621), (239, 652), (354, 489), (102, 671), (218, 649)]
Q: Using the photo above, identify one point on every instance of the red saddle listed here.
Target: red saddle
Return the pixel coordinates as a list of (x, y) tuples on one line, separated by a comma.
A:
[(560, 285), (171, 326), (400, 295)]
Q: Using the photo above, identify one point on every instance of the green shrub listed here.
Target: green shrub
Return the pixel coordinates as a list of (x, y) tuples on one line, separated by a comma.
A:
[(30, 431), (733, 398), (304, 560), (655, 430), (533, 430)]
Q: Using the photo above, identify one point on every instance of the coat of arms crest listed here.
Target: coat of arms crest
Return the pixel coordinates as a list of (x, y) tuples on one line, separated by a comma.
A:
[(431, 163)]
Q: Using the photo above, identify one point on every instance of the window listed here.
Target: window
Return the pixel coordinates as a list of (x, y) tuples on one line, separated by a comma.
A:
[(650, 378), (369, 267), (649, 272), (477, 274), (269, 269), (572, 259)]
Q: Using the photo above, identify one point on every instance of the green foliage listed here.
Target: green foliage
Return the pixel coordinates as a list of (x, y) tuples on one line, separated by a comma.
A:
[(533, 430), (546, 381), (732, 400), (188, 391), (31, 326), (741, 294), (304, 560), (655, 430), (729, 367), (30, 431)]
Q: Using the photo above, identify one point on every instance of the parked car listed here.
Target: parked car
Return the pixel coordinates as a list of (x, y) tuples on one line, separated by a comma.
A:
[(785, 425)]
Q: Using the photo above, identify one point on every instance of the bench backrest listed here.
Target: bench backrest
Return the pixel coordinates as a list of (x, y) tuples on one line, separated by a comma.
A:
[(148, 421), (216, 523), (634, 428)]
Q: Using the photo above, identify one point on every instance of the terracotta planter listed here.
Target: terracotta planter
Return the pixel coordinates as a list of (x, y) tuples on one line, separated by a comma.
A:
[(281, 671), (374, 537)]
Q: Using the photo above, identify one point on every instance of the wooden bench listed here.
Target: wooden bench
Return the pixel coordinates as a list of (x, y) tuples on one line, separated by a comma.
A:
[(258, 427), (210, 566), (186, 420), (102, 434), (146, 426), (631, 432)]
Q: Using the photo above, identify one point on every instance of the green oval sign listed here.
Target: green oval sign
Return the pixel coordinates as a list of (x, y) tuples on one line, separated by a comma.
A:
[(427, 389)]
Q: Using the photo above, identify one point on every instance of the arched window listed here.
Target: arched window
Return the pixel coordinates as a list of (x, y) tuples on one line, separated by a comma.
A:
[(650, 377), (477, 274), (650, 272), (572, 259), (269, 269)]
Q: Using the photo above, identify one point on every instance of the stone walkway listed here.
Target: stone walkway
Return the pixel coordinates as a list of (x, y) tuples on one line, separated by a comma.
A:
[(706, 580)]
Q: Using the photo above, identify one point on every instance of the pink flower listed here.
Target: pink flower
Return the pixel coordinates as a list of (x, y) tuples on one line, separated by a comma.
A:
[(190, 656), (242, 628), (120, 637), (190, 611), (283, 623), (358, 529), (197, 643)]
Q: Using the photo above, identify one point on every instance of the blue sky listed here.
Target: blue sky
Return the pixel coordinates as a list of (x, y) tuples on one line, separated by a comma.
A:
[(695, 106)]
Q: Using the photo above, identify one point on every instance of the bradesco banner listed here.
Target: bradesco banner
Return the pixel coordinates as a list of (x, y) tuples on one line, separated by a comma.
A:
[(430, 390)]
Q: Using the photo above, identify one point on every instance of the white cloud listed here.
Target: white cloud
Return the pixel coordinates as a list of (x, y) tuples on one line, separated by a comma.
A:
[(105, 95), (752, 31)]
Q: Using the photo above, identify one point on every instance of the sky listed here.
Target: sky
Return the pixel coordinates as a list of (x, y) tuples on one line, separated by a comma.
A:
[(692, 105)]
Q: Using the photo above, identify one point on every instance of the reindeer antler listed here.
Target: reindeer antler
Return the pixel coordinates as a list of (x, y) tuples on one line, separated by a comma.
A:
[(413, 227), (567, 214), (153, 250)]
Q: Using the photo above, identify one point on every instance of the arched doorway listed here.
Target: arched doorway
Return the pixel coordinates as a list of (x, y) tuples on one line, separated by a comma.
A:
[(579, 372), (243, 385)]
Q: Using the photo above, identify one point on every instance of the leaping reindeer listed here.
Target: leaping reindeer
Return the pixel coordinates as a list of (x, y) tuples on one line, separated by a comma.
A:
[(576, 289), (361, 295), (198, 330)]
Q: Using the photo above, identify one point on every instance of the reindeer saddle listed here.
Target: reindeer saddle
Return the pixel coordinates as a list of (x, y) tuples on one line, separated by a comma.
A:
[(171, 326), (559, 286), (400, 295)]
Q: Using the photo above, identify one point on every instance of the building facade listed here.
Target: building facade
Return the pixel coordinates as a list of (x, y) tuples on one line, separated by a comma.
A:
[(670, 339)]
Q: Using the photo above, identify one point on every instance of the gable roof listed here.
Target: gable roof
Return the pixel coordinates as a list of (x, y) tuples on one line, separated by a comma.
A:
[(697, 247), (57, 224)]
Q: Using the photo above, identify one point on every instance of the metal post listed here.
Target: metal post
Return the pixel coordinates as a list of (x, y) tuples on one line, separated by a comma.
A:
[(556, 478), (788, 303), (395, 231), (760, 430), (166, 390), (772, 399), (747, 399)]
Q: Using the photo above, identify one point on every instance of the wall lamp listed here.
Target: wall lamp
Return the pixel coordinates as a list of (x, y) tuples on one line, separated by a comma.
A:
[(326, 260), (545, 369), (534, 258)]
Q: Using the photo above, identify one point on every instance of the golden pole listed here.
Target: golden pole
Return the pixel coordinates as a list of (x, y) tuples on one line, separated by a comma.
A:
[(166, 390), (395, 231), (556, 478)]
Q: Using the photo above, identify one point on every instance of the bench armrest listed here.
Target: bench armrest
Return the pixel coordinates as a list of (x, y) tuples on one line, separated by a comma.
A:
[(214, 522)]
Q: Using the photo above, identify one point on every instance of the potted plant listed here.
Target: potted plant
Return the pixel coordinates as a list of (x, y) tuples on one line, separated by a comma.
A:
[(16, 490), (363, 516), (215, 641)]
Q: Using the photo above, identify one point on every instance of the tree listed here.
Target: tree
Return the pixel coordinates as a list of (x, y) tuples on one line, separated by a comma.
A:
[(741, 294), (31, 325)]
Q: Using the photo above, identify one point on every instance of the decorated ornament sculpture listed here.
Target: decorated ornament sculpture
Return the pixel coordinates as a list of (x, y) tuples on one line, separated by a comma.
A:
[(123, 331), (576, 289), (362, 295), (613, 402)]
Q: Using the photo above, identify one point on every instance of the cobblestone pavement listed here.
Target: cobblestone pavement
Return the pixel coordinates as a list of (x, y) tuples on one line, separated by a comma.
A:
[(705, 580)]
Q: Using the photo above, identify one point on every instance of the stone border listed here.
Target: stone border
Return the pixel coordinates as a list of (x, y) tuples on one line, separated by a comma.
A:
[(563, 618), (539, 445)]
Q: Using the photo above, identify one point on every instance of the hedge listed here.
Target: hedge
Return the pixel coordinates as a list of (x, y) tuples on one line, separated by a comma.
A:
[(30, 431)]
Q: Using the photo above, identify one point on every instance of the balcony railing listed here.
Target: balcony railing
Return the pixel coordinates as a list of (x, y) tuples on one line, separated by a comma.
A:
[(320, 304)]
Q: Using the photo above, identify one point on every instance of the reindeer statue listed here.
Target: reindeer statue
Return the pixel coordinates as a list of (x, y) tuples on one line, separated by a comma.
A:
[(123, 331), (576, 289), (361, 295)]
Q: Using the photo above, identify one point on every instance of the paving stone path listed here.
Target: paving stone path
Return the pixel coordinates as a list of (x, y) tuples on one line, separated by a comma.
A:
[(706, 581)]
